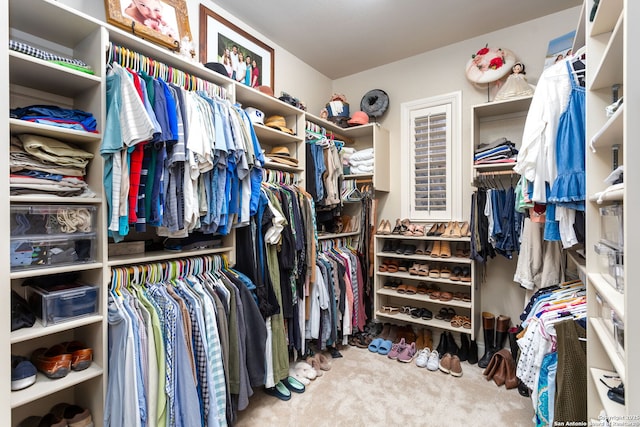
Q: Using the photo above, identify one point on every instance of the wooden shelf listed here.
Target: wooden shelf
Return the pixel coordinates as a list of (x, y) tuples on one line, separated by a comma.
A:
[(424, 298), (609, 345), (37, 330), (606, 16), (614, 298), (605, 75), (159, 256), (434, 323), (612, 409), (45, 386)]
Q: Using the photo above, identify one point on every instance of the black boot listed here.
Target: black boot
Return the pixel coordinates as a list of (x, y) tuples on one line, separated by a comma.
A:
[(488, 326), (442, 345), (502, 331), (464, 347), (513, 342), (452, 346), (473, 352)]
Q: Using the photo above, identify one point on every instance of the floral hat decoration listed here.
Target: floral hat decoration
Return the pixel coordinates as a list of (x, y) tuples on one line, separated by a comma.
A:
[(490, 64)]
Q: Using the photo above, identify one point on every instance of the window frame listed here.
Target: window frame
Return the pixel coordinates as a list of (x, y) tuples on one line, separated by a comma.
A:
[(452, 104)]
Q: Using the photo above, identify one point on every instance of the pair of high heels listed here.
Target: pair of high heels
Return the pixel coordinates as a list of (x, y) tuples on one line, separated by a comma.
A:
[(384, 228), (452, 229)]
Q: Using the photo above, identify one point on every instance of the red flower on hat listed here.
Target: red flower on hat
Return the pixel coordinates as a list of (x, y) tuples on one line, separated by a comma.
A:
[(496, 63), (483, 51)]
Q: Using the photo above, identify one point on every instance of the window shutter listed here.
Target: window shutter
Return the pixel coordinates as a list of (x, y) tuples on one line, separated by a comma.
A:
[(430, 163)]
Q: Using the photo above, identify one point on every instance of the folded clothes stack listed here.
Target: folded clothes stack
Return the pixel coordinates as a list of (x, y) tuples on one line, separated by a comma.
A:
[(42, 165), (361, 161), (27, 49), (499, 151)]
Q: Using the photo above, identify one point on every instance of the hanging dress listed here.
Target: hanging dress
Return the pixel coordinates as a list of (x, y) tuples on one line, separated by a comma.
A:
[(568, 189)]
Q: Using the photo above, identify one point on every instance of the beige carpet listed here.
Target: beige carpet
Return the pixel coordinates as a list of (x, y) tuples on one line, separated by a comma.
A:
[(367, 389)]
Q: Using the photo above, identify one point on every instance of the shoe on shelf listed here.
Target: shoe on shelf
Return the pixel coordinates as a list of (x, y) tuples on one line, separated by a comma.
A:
[(421, 247), (455, 230), (464, 230), (23, 373), (397, 228), (423, 358), (380, 230), (53, 362), (432, 230), (74, 415), (440, 230), (435, 249), (81, 355)]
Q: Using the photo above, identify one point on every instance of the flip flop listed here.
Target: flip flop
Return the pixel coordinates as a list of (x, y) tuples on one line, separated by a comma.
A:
[(293, 384), (280, 391), (385, 347), (375, 345)]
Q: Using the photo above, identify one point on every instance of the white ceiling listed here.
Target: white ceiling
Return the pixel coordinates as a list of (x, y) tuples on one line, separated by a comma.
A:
[(342, 37)]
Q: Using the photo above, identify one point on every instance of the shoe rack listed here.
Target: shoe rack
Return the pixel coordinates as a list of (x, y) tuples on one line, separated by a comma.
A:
[(415, 285), (609, 30)]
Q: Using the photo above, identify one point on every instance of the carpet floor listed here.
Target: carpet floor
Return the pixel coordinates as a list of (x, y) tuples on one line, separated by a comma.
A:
[(366, 389)]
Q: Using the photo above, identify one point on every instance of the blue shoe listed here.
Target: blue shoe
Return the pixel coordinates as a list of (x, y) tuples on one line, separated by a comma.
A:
[(23, 373)]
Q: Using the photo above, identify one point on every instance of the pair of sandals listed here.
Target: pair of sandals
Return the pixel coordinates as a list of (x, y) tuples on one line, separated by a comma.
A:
[(441, 295), (418, 269), (446, 314), (461, 321), (421, 313)]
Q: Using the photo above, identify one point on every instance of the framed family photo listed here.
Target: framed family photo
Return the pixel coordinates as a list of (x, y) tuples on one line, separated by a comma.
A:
[(163, 22), (246, 59), (559, 48)]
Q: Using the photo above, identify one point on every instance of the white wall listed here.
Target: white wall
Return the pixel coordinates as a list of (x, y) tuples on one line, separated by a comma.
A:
[(442, 71)]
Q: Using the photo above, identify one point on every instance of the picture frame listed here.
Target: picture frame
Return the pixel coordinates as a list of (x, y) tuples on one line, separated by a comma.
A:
[(163, 22), (559, 48), (218, 35)]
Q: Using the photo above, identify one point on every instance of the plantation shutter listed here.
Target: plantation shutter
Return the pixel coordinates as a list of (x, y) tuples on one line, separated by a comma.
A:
[(430, 163)]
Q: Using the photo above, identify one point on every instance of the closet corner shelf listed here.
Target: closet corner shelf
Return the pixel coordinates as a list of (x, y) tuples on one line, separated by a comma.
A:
[(45, 386), (27, 70), (614, 298), (611, 408), (423, 298), (609, 344), (159, 256), (498, 108), (608, 71), (611, 133), (580, 264), (250, 97), (358, 176), (269, 136), (606, 16), (46, 271), (328, 236), (281, 167), (37, 330), (610, 196), (30, 198), (69, 135)]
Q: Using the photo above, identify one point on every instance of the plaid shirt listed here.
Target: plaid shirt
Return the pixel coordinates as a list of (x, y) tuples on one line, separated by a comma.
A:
[(41, 54)]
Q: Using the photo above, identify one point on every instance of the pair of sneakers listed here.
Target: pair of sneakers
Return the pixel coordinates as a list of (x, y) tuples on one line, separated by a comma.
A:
[(402, 352), (428, 359)]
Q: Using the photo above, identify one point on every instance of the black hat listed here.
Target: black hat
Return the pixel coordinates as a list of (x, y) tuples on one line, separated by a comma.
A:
[(218, 68)]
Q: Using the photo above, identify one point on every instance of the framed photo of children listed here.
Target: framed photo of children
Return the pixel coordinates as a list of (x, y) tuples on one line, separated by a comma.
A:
[(163, 22), (247, 59)]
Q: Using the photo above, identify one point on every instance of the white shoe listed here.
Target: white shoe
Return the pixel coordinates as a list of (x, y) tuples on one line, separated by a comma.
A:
[(434, 361), (423, 357)]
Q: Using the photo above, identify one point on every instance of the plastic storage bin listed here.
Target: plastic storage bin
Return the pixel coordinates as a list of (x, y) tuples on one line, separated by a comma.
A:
[(27, 220), (611, 226), (52, 250), (612, 262), (63, 303)]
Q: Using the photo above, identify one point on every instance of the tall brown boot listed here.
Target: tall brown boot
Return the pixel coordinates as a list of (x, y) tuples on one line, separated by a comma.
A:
[(488, 326)]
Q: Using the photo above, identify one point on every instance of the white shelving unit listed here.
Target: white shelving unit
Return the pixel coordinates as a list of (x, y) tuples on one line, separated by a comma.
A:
[(390, 297), (611, 60)]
